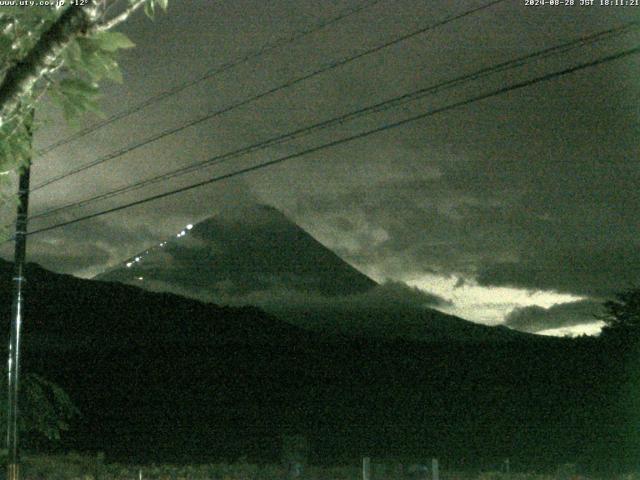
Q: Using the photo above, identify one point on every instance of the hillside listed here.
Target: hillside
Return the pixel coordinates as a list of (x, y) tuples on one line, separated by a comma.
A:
[(257, 256), (65, 311), (163, 378)]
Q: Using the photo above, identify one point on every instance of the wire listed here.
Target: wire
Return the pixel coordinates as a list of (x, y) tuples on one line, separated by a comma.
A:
[(210, 74), (358, 136), (261, 95), (381, 106)]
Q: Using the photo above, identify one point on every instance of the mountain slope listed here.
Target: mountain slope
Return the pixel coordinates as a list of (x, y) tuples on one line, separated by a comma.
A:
[(239, 253), (257, 256), (62, 310), (160, 378)]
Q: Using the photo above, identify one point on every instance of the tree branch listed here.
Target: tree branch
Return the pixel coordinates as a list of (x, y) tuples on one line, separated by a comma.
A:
[(118, 19), (21, 78)]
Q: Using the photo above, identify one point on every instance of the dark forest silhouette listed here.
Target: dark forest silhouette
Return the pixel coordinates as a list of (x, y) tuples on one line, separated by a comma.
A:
[(163, 378)]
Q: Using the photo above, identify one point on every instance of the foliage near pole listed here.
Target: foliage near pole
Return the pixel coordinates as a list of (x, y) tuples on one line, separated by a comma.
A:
[(64, 51), (46, 410)]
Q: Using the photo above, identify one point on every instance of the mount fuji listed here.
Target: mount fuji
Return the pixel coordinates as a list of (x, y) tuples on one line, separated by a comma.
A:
[(257, 256)]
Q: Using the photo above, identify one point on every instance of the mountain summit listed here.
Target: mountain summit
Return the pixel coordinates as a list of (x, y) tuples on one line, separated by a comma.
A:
[(238, 254)]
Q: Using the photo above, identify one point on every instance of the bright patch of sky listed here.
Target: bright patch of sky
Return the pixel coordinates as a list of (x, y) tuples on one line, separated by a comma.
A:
[(487, 305), (575, 330)]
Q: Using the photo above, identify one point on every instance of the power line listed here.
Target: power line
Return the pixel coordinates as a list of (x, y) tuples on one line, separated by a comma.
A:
[(358, 136), (381, 106), (209, 74), (284, 86)]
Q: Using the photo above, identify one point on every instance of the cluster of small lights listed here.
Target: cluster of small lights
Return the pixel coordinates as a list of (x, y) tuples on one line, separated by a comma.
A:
[(184, 232), (137, 259)]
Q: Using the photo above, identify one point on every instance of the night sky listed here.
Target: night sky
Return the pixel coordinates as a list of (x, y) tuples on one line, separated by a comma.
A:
[(520, 209)]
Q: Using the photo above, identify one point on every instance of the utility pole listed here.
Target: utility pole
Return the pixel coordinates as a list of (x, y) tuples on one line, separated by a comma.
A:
[(17, 312)]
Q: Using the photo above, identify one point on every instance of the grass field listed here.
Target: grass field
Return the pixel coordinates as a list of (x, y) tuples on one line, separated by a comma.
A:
[(82, 467)]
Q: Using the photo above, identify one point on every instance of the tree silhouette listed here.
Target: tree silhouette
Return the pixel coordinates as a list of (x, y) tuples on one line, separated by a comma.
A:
[(622, 315), (45, 407)]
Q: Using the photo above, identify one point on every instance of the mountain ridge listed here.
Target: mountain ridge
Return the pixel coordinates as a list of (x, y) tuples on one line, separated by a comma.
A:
[(88, 311), (251, 245), (160, 377), (257, 256)]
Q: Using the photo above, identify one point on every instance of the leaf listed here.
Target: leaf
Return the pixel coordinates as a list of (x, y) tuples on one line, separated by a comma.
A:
[(21, 147), (150, 9), (164, 4), (76, 86), (76, 96), (103, 65), (15, 147), (112, 41), (6, 10), (36, 14), (72, 55), (114, 73), (97, 63), (6, 44)]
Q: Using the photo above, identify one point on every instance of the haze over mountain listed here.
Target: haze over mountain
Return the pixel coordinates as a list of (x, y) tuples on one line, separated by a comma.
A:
[(257, 256)]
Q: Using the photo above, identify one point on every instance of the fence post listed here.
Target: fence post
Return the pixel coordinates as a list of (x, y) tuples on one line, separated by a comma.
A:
[(366, 468), (435, 472)]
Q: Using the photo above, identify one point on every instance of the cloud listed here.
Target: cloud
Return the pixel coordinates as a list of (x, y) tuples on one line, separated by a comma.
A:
[(392, 308), (558, 216), (392, 296), (83, 249), (536, 188), (536, 319), (600, 269), (386, 297), (77, 257)]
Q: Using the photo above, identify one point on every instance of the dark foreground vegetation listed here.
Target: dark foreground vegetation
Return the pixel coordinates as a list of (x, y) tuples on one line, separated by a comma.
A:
[(161, 379), (75, 467)]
